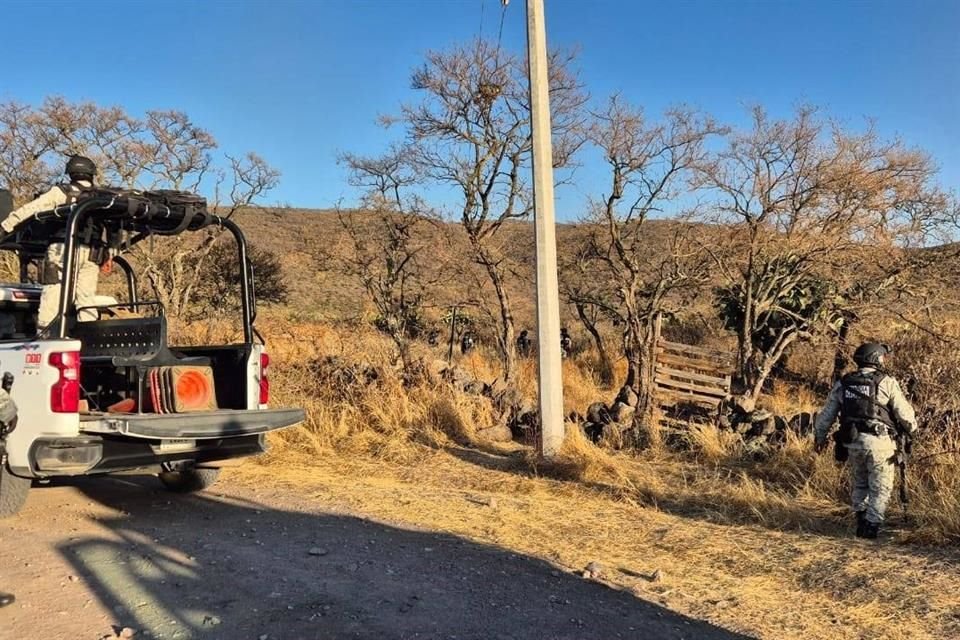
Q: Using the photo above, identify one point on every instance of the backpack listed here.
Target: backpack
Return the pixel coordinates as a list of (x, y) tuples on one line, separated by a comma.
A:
[(859, 404)]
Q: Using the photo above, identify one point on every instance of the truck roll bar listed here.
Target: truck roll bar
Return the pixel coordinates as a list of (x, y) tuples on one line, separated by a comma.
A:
[(103, 205), (132, 292)]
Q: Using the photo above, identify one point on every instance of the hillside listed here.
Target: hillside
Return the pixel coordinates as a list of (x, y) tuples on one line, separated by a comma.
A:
[(303, 238)]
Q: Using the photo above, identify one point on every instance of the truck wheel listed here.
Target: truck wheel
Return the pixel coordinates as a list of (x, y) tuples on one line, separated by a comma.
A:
[(13, 492), (189, 480)]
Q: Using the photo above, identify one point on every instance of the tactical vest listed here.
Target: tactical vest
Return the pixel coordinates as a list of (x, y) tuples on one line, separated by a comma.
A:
[(860, 405), (73, 191)]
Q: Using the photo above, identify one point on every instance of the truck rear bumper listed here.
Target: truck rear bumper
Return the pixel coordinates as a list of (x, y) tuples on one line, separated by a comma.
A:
[(224, 423), (94, 454)]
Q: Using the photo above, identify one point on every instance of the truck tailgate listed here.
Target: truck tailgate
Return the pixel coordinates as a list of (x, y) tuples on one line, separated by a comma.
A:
[(223, 423)]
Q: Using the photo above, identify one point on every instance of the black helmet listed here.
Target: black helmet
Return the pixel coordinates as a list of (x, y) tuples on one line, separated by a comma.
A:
[(81, 166), (869, 354)]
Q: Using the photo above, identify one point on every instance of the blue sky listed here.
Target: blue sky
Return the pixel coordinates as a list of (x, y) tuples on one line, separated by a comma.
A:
[(299, 82)]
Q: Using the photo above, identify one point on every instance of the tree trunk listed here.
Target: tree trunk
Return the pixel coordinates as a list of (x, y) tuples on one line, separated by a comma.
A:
[(403, 348), (745, 356), (506, 347), (761, 372), (606, 365), (840, 353), (640, 380)]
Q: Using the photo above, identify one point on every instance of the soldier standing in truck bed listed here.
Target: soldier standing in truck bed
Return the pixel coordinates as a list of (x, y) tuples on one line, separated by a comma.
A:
[(82, 172)]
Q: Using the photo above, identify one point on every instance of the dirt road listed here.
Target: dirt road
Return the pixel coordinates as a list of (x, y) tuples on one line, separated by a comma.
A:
[(89, 557)]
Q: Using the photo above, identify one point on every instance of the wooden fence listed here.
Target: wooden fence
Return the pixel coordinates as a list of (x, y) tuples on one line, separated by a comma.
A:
[(689, 375)]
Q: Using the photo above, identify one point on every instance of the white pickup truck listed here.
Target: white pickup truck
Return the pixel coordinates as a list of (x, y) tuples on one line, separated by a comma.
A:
[(83, 388)]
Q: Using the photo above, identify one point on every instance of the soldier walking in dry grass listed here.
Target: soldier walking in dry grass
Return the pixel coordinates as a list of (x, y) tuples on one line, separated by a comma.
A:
[(872, 410)]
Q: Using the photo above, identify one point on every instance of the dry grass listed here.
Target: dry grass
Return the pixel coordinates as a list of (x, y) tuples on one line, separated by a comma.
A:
[(790, 399), (731, 525), (716, 476)]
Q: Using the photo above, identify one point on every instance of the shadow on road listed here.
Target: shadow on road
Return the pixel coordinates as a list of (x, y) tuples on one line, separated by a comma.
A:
[(195, 566)]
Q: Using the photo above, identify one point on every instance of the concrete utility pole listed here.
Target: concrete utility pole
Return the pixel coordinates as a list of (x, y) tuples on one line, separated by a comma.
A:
[(548, 295)]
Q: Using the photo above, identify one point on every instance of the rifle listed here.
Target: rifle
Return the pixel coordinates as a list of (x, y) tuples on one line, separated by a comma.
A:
[(904, 449)]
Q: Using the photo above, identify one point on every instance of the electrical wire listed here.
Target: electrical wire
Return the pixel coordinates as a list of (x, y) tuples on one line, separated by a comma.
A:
[(503, 13), (483, 5)]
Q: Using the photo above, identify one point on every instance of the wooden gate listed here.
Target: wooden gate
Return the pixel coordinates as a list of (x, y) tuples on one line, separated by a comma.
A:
[(689, 375)]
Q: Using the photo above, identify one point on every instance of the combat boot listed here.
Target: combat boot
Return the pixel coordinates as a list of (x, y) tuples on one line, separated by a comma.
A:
[(870, 530), (861, 521)]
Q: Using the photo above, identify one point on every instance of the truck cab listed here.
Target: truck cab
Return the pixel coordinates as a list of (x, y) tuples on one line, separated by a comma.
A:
[(112, 394)]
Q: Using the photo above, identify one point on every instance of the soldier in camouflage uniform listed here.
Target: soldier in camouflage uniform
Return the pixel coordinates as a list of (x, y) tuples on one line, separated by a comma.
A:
[(82, 172), (872, 409)]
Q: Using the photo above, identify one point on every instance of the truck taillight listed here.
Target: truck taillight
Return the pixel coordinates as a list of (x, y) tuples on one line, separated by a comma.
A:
[(65, 393), (264, 380)]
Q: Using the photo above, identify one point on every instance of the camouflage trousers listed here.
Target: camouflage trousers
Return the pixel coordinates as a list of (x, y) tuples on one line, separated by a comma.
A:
[(8, 409), (84, 292), (872, 471)]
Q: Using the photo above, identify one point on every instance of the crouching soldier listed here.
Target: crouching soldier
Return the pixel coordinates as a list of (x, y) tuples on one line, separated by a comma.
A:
[(872, 409)]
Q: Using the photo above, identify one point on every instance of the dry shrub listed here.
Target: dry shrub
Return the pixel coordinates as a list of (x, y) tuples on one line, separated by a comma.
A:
[(715, 475), (9, 267), (812, 360), (712, 445), (787, 399), (455, 415), (481, 363), (580, 460), (580, 388), (930, 367)]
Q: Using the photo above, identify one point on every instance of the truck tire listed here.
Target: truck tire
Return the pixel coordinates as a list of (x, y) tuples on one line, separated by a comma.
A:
[(189, 480), (13, 492)]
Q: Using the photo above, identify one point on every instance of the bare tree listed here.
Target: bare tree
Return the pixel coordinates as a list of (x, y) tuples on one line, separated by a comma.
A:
[(175, 266), (165, 149), (384, 243), (800, 198), (471, 134), (24, 151), (592, 298), (640, 262)]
